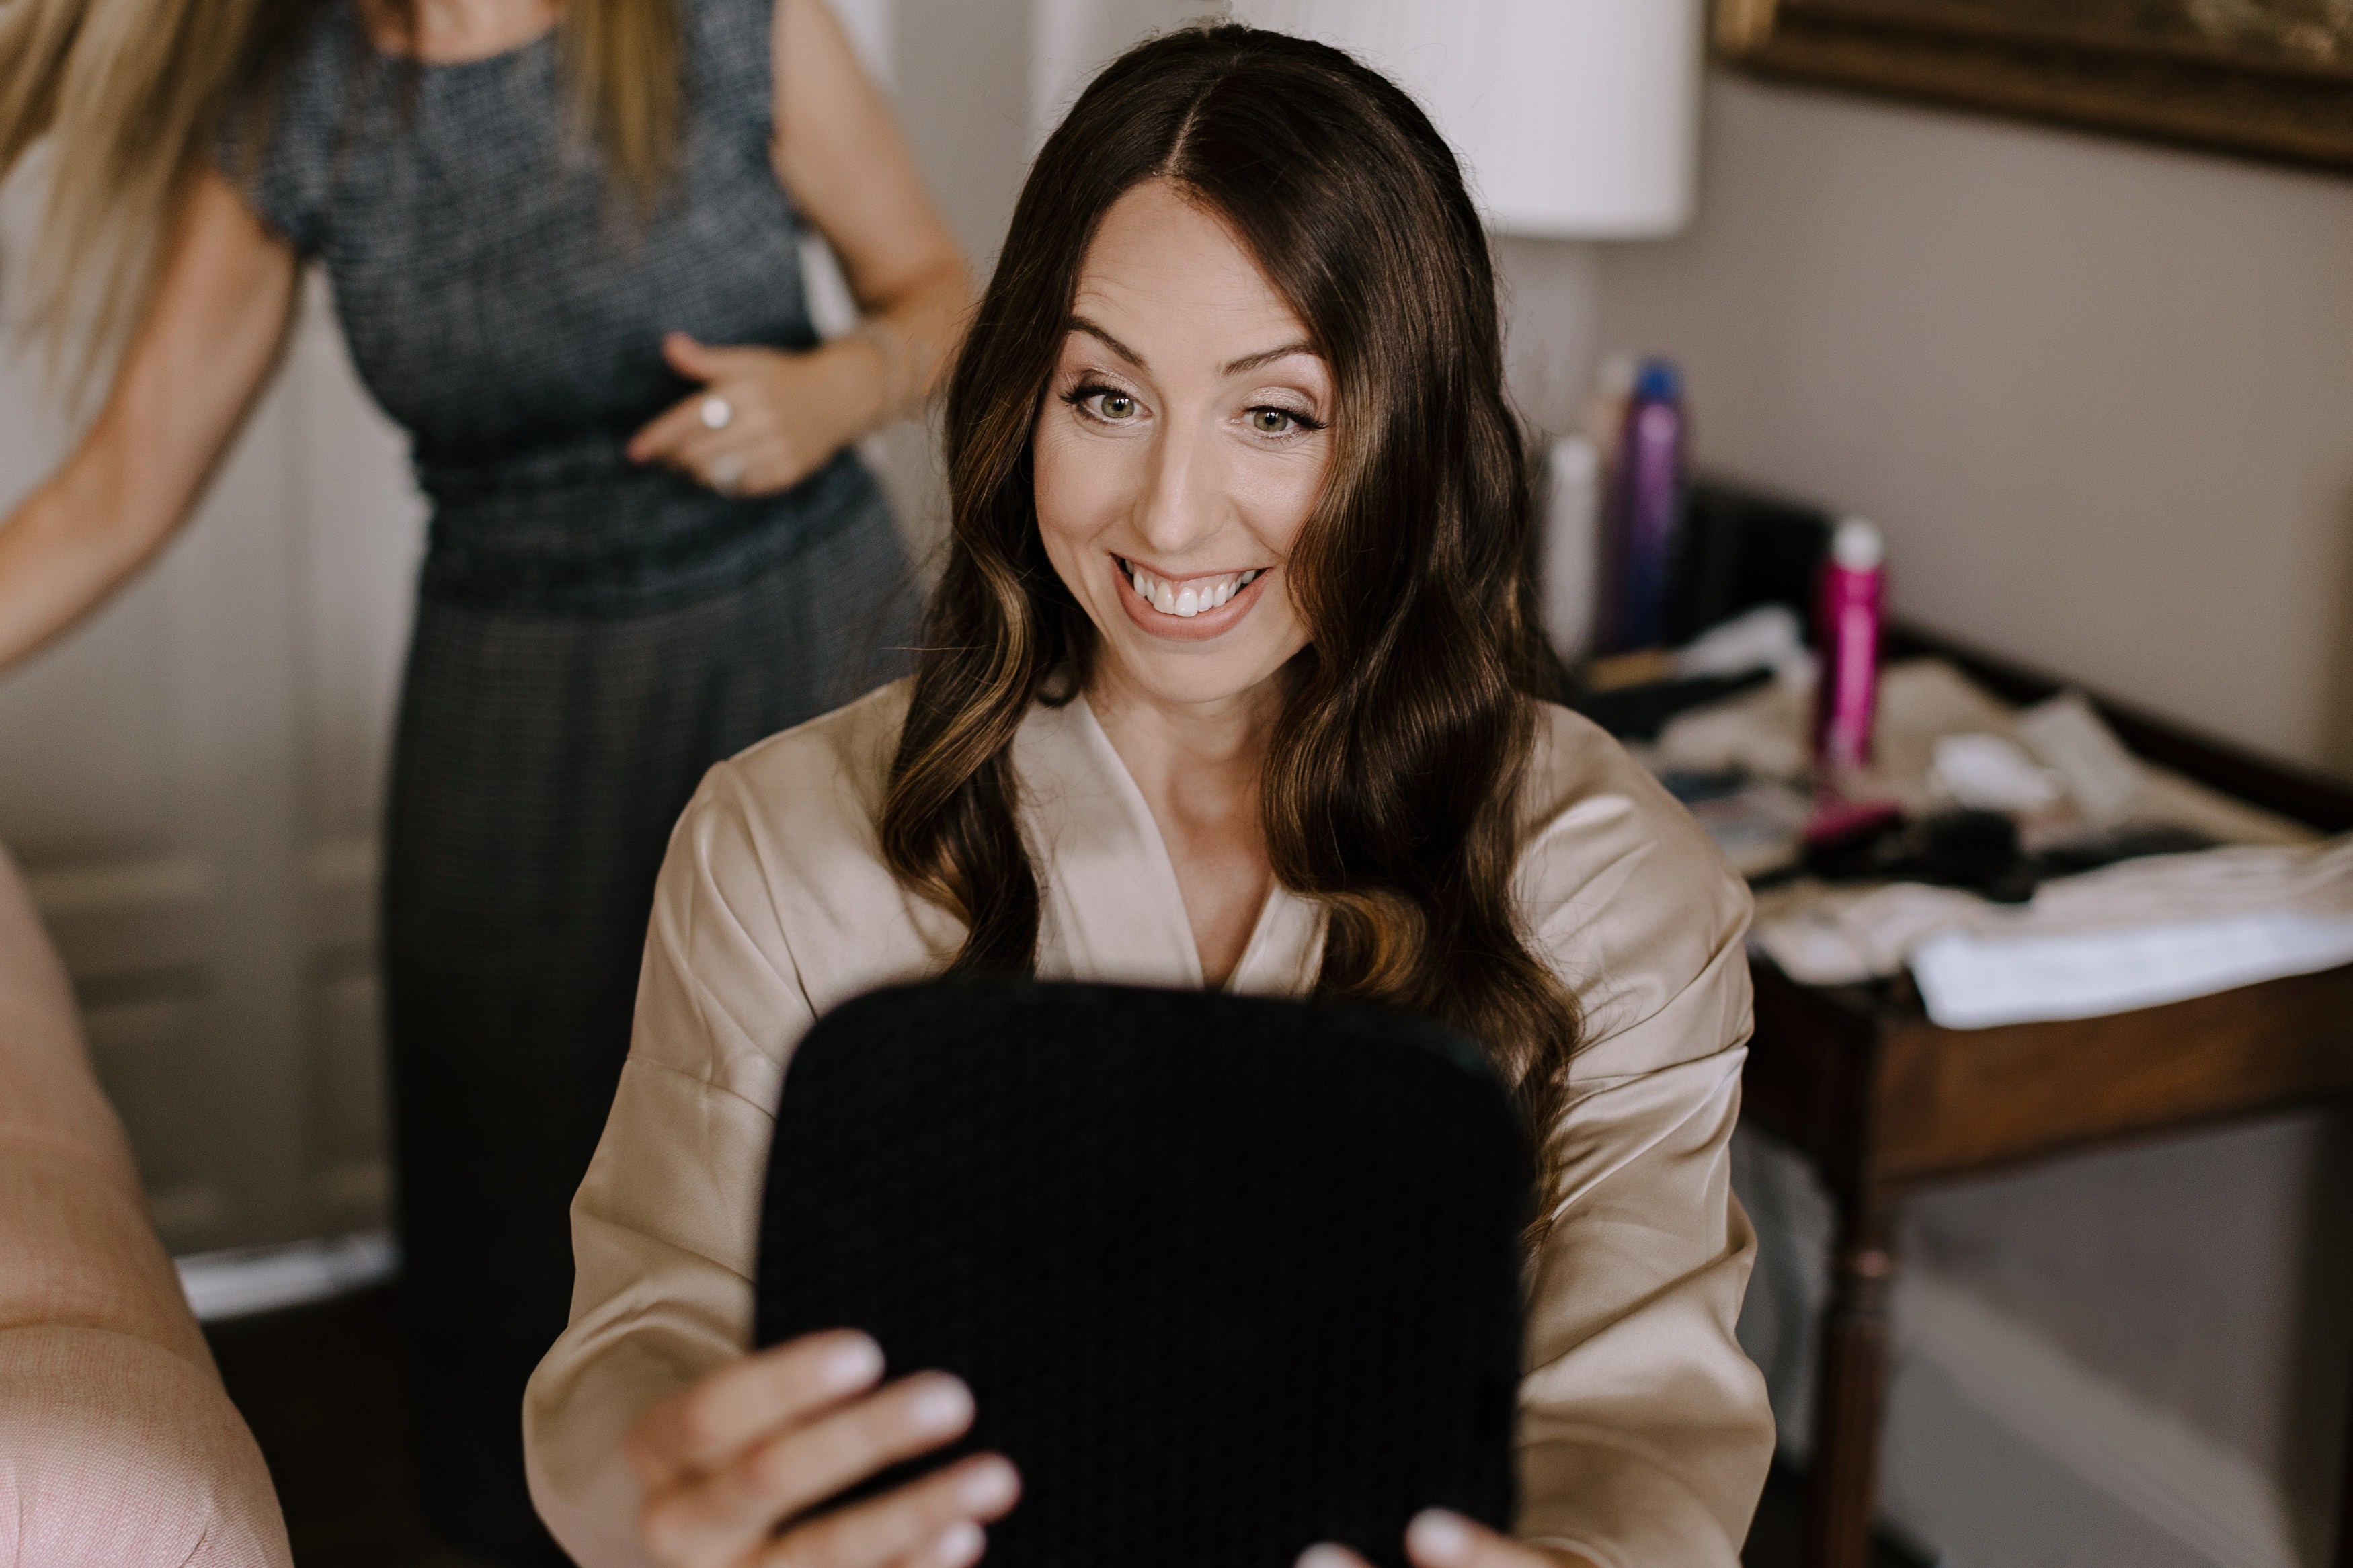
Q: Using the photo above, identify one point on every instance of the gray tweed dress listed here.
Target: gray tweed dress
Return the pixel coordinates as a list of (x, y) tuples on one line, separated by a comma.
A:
[(590, 636)]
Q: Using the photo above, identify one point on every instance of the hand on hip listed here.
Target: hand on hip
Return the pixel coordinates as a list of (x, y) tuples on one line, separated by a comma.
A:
[(763, 420)]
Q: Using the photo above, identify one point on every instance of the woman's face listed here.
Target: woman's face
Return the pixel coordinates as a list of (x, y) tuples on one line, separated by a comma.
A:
[(1182, 444)]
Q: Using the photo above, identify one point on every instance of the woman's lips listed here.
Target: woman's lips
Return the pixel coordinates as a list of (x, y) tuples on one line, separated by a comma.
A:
[(1202, 624)]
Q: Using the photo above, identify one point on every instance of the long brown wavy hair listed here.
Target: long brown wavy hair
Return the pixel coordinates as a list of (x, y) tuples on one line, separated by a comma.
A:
[(1388, 795)]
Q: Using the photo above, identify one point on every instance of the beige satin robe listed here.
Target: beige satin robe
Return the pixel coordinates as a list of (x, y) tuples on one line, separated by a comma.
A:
[(1644, 1431)]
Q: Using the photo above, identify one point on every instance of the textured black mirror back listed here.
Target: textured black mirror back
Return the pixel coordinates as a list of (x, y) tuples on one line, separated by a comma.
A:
[(1227, 1277)]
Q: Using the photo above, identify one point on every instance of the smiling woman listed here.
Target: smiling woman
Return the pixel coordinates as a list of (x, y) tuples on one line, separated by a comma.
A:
[(1172, 490), (1172, 480), (1227, 681)]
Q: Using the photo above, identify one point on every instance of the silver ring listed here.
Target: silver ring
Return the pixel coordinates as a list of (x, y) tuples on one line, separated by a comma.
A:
[(727, 473), (717, 413)]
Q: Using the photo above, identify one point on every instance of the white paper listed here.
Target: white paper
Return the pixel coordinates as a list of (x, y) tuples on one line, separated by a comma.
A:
[(2101, 775)]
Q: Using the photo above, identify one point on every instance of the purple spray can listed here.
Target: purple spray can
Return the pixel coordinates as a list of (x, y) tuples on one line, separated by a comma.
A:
[(1647, 507), (1847, 615)]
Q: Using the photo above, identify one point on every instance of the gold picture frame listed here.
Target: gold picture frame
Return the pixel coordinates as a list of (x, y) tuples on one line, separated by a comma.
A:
[(2267, 78)]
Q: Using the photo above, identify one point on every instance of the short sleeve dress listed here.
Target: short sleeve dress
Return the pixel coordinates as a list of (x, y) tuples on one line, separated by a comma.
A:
[(590, 636)]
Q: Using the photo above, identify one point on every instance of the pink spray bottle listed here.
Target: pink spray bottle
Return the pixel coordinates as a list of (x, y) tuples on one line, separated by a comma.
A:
[(1851, 599)]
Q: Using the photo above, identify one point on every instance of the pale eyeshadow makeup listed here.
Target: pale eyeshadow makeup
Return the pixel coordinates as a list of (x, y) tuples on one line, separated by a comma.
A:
[(1182, 445)]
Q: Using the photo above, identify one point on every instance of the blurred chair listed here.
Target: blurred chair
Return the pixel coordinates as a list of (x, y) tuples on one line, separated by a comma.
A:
[(117, 1445)]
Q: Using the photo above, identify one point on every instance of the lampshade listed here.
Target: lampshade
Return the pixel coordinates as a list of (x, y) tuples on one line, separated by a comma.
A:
[(1574, 119)]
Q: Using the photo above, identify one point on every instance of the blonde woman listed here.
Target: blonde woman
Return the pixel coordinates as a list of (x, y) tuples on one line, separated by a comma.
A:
[(563, 244)]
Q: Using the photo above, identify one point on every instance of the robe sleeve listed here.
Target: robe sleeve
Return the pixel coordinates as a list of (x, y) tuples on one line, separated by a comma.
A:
[(664, 1225), (1644, 1430)]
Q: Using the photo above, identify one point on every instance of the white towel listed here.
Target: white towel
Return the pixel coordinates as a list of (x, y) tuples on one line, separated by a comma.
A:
[(1970, 981), (2131, 935)]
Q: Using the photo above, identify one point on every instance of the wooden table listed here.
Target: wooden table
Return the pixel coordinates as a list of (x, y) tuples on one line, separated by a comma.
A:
[(1884, 1103)]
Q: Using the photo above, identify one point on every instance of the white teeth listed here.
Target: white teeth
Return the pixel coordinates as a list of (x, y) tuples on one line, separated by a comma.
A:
[(1193, 597)]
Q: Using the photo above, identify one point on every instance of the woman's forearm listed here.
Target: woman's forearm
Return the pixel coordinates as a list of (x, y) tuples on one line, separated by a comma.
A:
[(839, 151), (887, 366), (928, 322), (186, 380), (62, 551)]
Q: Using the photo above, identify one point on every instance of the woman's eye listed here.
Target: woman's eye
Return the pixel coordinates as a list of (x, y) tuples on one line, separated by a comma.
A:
[(1274, 421), (1114, 405)]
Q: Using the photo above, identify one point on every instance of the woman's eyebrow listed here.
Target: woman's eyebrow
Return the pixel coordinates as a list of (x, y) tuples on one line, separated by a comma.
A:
[(1266, 357), (1081, 325)]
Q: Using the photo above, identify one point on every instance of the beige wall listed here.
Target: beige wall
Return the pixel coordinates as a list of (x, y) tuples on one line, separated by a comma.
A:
[(2099, 393)]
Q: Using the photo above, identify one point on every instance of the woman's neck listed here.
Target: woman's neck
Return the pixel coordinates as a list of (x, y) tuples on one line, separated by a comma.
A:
[(1199, 766), (450, 32), (1171, 747)]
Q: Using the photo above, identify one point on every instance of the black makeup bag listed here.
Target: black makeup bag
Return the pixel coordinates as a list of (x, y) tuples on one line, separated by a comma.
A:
[(1227, 1276)]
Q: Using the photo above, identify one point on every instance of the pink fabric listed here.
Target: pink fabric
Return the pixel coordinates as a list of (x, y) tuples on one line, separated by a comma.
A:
[(118, 1446)]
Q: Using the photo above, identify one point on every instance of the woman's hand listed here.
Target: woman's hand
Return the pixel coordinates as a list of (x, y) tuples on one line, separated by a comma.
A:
[(1437, 1538), (733, 1468), (765, 419)]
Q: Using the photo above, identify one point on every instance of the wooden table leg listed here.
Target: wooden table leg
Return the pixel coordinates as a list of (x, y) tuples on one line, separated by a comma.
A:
[(2345, 1496), (1850, 1390)]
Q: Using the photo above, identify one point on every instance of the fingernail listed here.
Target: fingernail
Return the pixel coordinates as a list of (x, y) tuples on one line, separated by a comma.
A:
[(989, 1486), (1323, 1556), (854, 1363), (942, 1405), (1438, 1536), (959, 1544)]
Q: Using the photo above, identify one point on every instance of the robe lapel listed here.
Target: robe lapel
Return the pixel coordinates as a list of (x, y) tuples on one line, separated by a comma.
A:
[(1113, 909), (1284, 950), (1112, 912)]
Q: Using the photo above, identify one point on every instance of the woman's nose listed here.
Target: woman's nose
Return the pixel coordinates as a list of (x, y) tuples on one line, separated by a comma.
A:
[(1178, 508)]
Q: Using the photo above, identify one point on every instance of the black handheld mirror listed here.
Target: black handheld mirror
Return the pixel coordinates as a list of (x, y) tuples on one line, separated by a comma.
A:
[(1227, 1276)]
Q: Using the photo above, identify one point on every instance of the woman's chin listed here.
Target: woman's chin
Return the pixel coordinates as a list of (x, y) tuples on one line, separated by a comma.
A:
[(1194, 674)]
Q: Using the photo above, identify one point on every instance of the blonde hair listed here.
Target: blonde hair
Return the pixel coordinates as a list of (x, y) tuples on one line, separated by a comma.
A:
[(130, 93)]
